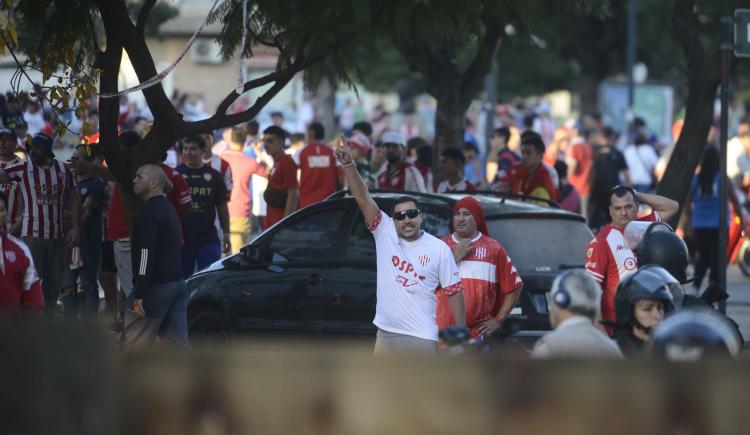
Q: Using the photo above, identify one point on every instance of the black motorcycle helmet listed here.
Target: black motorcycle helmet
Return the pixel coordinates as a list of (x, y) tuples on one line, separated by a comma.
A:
[(641, 284), (665, 249), (694, 334), (674, 286)]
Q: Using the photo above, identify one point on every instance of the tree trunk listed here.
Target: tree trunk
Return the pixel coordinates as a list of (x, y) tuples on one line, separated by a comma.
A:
[(449, 125), (325, 94), (703, 82)]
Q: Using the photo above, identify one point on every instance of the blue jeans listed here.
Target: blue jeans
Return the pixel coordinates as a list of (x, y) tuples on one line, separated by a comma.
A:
[(204, 256), (166, 317), (91, 253)]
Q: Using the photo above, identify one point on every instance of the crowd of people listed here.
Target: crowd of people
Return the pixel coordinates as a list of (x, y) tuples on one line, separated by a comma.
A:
[(213, 191)]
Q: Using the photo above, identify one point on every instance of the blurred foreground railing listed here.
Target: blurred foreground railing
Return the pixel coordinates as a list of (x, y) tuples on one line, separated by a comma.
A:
[(60, 379)]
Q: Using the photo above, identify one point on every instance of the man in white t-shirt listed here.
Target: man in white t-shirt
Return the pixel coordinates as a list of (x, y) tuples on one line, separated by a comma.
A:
[(411, 265)]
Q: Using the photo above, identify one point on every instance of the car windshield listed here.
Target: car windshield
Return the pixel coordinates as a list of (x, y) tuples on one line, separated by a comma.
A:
[(542, 245)]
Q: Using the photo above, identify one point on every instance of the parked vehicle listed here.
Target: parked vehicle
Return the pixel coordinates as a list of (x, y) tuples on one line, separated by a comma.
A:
[(314, 272)]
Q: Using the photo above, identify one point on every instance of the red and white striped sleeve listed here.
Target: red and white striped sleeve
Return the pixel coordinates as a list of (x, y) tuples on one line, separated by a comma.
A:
[(596, 260)]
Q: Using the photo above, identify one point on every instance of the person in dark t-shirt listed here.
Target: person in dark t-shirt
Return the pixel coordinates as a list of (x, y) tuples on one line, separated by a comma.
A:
[(209, 198), (85, 264)]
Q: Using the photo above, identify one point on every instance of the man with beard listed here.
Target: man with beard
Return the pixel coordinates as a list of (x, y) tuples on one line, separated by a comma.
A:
[(411, 267), (399, 174), (490, 280), (44, 181)]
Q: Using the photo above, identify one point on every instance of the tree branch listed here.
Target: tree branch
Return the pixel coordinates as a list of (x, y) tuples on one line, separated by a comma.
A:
[(134, 43), (300, 63), (482, 61), (221, 120), (686, 33), (109, 108), (143, 16)]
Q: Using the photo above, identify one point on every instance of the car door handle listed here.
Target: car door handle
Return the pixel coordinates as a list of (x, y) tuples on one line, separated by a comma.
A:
[(315, 279), (246, 293)]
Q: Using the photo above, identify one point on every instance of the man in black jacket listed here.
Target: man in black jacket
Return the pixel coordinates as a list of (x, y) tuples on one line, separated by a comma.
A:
[(159, 299)]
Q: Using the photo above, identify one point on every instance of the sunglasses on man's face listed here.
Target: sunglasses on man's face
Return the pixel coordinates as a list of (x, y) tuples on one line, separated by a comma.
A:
[(401, 215)]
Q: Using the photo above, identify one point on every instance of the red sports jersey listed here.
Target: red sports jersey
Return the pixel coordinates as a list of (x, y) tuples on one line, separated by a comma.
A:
[(223, 168), (318, 174), (12, 191), (540, 184), (43, 190), (20, 287), (462, 186), (487, 275), (608, 259), (180, 193), (404, 177), (283, 177)]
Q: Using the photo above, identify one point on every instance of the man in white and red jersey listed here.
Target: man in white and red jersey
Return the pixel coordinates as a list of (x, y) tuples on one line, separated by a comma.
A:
[(216, 162), (44, 181), (412, 266), (490, 280), (20, 287), (452, 163), (399, 174), (608, 256), (319, 176), (12, 191)]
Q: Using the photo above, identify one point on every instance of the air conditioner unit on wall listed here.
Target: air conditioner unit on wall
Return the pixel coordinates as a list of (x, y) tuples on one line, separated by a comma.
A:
[(206, 50)]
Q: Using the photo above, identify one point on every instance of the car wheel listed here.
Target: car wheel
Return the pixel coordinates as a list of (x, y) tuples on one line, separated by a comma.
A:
[(208, 328)]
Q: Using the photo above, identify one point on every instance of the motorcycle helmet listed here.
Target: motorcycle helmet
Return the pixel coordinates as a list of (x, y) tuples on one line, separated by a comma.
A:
[(665, 249), (694, 334), (674, 286), (641, 284)]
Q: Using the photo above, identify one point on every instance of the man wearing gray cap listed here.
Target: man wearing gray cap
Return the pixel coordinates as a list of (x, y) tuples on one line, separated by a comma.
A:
[(573, 309), (399, 174), (44, 181)]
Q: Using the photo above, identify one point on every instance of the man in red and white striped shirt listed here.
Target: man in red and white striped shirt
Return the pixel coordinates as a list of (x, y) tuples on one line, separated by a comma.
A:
[(43, 182), (12, 191), (608, 255)]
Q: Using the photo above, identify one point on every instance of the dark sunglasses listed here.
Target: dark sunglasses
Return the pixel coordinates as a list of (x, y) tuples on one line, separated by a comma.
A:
[(401, 215)]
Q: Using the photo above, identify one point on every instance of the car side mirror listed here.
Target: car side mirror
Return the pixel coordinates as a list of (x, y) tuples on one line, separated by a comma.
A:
[(253, 253)]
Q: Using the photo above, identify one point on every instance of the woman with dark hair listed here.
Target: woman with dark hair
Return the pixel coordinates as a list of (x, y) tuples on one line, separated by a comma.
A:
[(703, 219)]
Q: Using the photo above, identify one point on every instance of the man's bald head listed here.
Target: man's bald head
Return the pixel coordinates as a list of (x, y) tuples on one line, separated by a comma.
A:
[(149, 181)]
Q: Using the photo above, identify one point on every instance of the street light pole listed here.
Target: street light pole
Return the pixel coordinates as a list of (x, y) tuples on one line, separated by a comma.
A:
[(726, 52)]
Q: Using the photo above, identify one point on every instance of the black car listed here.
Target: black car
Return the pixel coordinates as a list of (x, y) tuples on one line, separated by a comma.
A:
[(314, 272)]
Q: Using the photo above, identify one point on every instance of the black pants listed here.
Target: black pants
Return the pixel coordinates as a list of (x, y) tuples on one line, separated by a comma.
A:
[(707, 240)]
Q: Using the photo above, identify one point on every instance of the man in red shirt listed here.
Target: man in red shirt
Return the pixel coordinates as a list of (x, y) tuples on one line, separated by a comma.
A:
[(20, 287), (319, 175), (580, 159), (283, 188), (608, 256), (491, 282), (530, 176), (452, 163), (243, 168)]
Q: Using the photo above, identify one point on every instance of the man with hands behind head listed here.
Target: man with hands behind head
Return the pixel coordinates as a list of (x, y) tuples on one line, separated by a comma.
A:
[(412, 266)]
